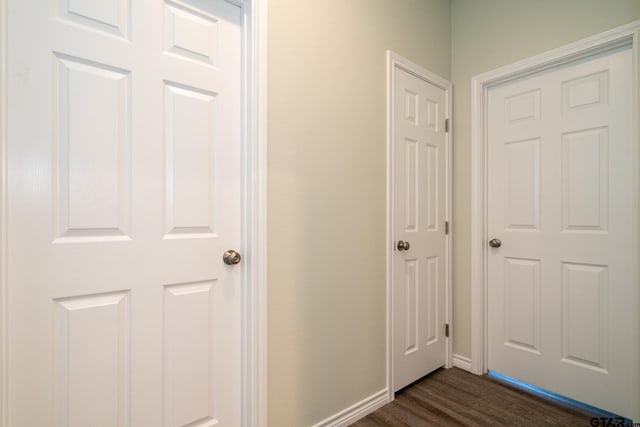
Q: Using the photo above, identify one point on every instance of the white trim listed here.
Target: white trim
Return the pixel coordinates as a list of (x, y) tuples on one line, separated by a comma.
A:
[(357, 411), (254, 221), (462, 362), (4, 304), (395, 61), (260, 26), (254, 351), (635, 229), (389, 230), (480, 84)]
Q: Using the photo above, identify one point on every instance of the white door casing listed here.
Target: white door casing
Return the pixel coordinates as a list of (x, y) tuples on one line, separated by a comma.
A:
[(560, 290), (120, 202), (419, 208)]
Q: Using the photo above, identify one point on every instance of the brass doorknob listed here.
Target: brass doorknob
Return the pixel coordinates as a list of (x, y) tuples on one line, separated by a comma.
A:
[(231, 257), (495, 243), (403, 246)]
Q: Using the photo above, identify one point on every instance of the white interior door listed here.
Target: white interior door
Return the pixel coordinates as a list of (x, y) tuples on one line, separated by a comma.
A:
[(124, 192), (419, 229), (561, 288)]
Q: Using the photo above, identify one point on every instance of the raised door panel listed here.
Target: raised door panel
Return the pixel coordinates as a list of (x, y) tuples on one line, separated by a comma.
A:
[(522, 107), (432, 193), (411, 107), (522, 185), (585, 180), (191, 122), (410, 306), (585, 92), (584, 316), (91, 183), (429, 297), (110, 16), (433, 117), (191, 33), (189, 350), (92, 360), (522, 304), (411, 185)]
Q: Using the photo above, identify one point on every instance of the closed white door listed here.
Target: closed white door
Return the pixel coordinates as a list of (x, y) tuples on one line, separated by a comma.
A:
[(562, 285), (419, 229), (124, 192)]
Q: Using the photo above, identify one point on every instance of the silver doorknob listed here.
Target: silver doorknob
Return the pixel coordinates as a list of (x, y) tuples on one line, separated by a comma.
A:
[(403, 246), (231, 257), (495, 243)]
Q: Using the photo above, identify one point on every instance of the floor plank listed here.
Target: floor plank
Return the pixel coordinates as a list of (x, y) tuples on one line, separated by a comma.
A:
[(454, 397)]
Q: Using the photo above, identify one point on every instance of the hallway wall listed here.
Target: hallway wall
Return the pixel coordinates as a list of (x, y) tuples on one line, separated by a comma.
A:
[(327, 127), (326, 231)]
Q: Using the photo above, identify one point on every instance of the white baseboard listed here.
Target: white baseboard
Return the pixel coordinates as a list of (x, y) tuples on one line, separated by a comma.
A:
[(357, 411), (462, 362)]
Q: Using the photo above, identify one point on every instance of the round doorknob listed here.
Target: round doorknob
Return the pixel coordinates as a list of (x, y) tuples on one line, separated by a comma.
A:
[(231, 257), (403, 246), (495, 243)]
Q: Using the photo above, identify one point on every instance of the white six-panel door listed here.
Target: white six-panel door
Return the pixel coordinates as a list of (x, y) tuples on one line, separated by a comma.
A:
[(560, 165), (419, 211), (124, 192)]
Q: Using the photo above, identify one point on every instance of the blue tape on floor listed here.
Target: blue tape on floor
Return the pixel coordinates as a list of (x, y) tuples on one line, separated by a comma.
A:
[(555, 396)]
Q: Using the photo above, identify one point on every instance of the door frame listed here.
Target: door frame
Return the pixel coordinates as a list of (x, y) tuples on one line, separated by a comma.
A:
[(253, 221), (627, 35), (397, 62)]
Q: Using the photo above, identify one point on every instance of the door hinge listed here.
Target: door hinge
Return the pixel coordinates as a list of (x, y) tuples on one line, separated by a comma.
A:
[(446, 227), (446, 330), (446, 125)]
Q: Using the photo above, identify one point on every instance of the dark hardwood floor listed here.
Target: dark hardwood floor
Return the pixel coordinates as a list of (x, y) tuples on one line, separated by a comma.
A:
[(454, 397)]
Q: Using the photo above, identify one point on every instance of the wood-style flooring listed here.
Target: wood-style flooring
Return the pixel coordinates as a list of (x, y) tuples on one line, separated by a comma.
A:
[(454, 397)]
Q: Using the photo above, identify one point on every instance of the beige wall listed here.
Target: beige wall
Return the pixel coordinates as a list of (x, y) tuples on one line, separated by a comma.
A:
[(327, 170), (326, 231), (488, 34)]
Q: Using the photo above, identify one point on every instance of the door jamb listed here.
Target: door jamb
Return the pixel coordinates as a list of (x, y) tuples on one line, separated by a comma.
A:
[(4, 103), (254, 213), (394, 62), (480, 84)]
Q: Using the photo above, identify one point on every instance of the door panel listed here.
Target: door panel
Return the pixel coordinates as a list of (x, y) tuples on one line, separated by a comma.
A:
[(92, 347), (419, 280), (561, 286), (124, 192)]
